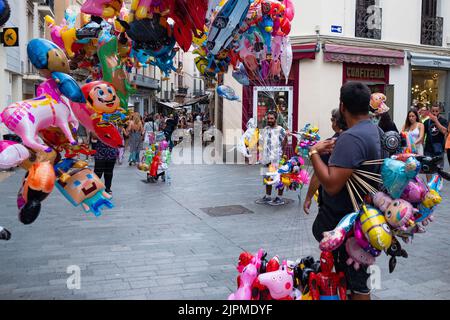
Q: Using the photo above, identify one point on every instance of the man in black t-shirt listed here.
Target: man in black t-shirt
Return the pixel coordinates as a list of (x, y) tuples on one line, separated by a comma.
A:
[(435, 129), (360, 143)]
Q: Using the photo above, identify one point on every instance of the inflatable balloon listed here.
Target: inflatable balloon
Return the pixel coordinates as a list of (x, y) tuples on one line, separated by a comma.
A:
[(102, 8), (106, 132), (12, 154), (362, 241), (396, 175), (5, 12), (226, 25), (227, 92), (375, 228), (356, 255), (415, 191), (289, 10), (335, 238), (280, 283), (113, 71), (286, 58), (81, 186), (102, 98), (37, 185)]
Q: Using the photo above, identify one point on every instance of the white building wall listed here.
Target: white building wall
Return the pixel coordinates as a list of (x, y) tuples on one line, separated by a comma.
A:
[(232, 110), (399, 77), (319, 89), (401, 21)]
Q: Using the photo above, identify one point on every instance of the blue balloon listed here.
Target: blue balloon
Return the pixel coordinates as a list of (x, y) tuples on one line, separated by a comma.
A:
[(5, 12), (396, 175), (227, 93), (241, 76), (348, 221), (69, 87)]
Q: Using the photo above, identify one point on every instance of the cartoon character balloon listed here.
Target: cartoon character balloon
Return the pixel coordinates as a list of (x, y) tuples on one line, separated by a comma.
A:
[(397, 174)]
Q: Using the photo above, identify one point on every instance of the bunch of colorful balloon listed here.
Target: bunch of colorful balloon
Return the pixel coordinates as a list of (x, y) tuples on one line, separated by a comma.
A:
[(307, 138), (290, 174), (156, 161), (403, 207), (304, 279), (46, 126)]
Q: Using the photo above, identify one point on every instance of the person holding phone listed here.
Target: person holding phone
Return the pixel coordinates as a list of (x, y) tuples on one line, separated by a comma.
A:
[(436, 131)]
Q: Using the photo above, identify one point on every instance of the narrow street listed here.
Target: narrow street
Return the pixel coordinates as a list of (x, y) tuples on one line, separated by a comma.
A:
[(159, 242)]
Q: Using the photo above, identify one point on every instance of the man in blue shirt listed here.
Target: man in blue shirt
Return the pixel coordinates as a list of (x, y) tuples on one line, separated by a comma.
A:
[(360, 143)]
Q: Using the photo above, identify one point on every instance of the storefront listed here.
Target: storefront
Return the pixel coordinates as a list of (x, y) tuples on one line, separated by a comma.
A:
[(368, 65), (281, 96), (430, 80)]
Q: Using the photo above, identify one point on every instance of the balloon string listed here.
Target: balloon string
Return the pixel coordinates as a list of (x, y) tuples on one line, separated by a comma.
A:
[(352, 197)]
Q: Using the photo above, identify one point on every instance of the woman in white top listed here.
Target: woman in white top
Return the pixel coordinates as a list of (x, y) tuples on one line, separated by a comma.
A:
[(415, 131)]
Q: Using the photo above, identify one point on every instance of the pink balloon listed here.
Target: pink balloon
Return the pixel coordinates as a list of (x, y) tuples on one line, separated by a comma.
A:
[(287, 57), (289, 12), (12, 154), (415, 191), (27, 118)]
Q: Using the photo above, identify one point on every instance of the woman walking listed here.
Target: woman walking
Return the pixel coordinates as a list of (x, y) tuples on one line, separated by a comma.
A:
[(415, 131), (105, 160), (135, 131)]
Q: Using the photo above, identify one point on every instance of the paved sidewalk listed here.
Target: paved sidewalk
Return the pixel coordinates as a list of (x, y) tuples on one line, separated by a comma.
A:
[(157, 243)]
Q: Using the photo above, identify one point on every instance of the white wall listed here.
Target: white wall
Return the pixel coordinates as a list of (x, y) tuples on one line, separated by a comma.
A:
[(402, 21), (319, 90), (399, 77), (232, 111)]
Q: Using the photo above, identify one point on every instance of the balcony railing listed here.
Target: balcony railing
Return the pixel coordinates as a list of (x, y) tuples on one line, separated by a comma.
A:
[(47, 7), (432, 31), (182, 91), (144, 81), (368, 22)]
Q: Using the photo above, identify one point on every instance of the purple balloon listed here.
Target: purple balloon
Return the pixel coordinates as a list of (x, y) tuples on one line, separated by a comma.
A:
[(415, 191), (361, 240)]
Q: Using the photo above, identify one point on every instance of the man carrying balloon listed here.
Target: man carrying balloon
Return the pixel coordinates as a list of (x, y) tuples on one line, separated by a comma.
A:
[(360, 143), (273, 141)]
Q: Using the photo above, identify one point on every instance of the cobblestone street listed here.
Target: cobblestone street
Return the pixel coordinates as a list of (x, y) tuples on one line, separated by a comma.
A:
[(158, 243)]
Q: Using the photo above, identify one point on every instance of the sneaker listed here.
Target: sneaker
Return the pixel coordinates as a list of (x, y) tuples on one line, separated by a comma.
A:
[(108, 192), (265, 200), (277, 202)]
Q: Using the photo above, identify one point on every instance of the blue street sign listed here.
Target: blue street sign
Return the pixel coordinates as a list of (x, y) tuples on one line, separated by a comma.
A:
[(336, 29)]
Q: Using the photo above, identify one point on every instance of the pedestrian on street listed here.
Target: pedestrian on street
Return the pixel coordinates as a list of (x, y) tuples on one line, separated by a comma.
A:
[(360, 143), (415, 131), (105, 160), (338, 125), (436, 131), (135, 131), (273, 141)]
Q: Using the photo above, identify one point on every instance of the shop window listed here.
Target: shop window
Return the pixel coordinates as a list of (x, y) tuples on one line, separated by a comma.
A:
[(429, 88), (432, 25), (368, 19)]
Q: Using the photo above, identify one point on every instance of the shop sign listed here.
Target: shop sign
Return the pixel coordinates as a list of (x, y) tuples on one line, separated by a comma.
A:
[(365, 73)]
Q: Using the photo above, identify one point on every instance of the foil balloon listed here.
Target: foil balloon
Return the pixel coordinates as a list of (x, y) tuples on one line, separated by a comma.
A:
[(286, 58), (357, 256), (227, 92), (102, 8), (335, 238), (289, 11), (376, 228), (415, 191), (81, 186), (362, 241), (396, 175), (240, 75), (12, 154), (37, 185), (5, 12)]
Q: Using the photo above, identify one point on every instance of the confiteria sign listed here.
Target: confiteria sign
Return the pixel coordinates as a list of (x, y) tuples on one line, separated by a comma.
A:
[(365, 73)]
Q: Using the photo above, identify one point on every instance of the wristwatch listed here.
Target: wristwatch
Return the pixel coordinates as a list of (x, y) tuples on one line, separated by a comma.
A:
[(313, 152)]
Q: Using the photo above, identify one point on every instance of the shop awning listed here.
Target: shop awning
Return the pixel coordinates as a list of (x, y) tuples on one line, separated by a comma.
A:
[(203, 98), (170, 104), (429, 60), (339, 53), (305, 51)]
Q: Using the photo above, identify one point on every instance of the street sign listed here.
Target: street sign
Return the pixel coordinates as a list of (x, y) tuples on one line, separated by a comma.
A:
[(10, 37), (336, 29)]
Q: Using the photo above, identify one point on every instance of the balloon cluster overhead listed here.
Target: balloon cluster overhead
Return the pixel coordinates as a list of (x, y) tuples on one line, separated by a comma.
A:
[(249, 35)]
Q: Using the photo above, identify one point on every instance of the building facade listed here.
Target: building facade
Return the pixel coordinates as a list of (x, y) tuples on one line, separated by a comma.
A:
[(401, 48)]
